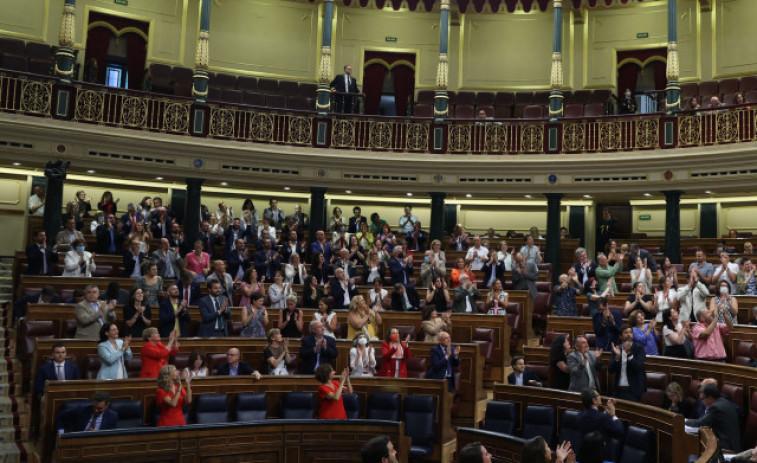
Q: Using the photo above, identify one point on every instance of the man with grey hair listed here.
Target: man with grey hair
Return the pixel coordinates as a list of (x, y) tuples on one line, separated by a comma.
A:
[(316, 349), (584, 266), (606, 273), (130, 219), (708, 334)]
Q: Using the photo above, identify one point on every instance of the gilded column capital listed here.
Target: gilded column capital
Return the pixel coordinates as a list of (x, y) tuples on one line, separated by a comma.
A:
[(445, 5), (558, 4), (67, 24), (555, 77), (202, 57), (324, 67), (442, 72), (672, 68)]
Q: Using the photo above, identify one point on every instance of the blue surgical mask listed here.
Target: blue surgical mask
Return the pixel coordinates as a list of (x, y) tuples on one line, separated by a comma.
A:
[(80, 248), (427, 259)]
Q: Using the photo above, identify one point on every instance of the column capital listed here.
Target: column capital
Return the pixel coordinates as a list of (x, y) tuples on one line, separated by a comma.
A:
[(318, 190), (553, 196), (195, 182), (558, 3), (437, 195), (672, 194)]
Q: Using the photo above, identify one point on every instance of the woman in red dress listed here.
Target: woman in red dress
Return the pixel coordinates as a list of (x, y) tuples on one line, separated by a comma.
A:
[(395, 354), (155, 353), (330, 392), (171, 397)]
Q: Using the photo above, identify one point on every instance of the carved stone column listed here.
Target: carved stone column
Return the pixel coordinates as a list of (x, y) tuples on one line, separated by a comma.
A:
[(325, 73), (200, 77), (441, 100), (64, 56), (556, 77)]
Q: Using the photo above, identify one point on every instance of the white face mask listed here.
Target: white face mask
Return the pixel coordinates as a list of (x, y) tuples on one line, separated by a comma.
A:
[(362, 341), (723, 290)]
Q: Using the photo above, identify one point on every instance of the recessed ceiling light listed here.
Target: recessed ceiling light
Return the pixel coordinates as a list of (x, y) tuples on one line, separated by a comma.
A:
[(409, 194), (224, 183), (90, 171), (286, 188), (349, 192), (16, 163), (587, 196), (468, 195), (647, 194), (526, 196), (158, 178), (707, 192)]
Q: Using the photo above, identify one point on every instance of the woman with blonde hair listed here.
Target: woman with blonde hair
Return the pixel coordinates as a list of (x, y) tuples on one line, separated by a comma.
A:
[(154, 353), (675, 400), (496, 301), (433, 323), (171, 397), (362, 319), (276, 353)]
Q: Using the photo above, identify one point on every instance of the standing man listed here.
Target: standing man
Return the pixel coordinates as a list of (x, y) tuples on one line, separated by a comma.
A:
[(274, 214), (214, 310), (40, 256), (583, 366), (407, 221), (316, 349), (628, 365), (356, 220), (444, 360), (36, 202), (168, 261), (92, 314), (345, 83), (56, 370), (605, 230)]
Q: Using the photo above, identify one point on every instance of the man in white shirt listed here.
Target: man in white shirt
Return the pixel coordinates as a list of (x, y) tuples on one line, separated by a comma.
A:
[(477, 255), (628, 365), (377, 294), (36, 202), (408, 221)]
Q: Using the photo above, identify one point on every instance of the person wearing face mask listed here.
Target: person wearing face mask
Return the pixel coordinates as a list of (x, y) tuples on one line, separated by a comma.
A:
[(79, 262), (362, 356), (627, 104), (724, 301), (395, 354)]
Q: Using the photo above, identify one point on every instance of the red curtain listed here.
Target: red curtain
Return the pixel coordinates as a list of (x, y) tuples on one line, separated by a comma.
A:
[(627, 76), (97, 48), (136, 55), (404, 87), (628, 73), (373, 82), (660, 79)]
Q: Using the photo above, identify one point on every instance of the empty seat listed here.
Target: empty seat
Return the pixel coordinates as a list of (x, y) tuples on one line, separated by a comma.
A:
[(709, 88), (464, 111), (569, 429), (745, 354), (297, 103), (485, 98), (134, 366), (541, 98), (726, 86), (224, 81), (426, 97), (573, 110), (275, 101), (307, 90), (91, 366), (42, 67), (215, 94), (247, 84), (503, 111), (182, 74), (750, 425), (251, 406), (14, 63), (352, 406), (501, 417), (383, 406), (735, 394), (130, 413), (594, 109), (423, 110), (583, 96), (484, 337), (466, 98), (656, 385), (161, 78), (504, 99), (231, 96), (288, 88), (254, 99), (211, 408), (542, 306), (524, 98), (539, 421), (533, 112), (419, 420), (748, 83), (689, 89), (416, 367), (298, 406), (268, 86), (37, 50), (638, 446), (12, 47)]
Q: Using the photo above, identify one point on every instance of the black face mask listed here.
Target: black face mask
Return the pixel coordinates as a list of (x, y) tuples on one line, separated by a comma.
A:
[(401, 255)]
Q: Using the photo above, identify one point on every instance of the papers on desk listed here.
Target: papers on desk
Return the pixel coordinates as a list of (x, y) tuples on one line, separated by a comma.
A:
[(729, 456), (691, 430)]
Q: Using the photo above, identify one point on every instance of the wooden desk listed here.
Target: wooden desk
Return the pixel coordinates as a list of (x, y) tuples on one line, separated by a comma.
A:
[(503, 447)]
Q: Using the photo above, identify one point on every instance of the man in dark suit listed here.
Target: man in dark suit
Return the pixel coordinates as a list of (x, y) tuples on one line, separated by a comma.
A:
[(494, 270), (590, 419), (343, 289), (235, 367), (40, 257), (267, 261), (133, 259), (720, 417), (356, 220), (110, 240), (189, 290), (233, 233), (46, 296), (643, 254), (520, 376), (316, 349), (627, 363), (79, 419), (607, 325), (605, 230), (214, 310), (583, 366), (444, 360), (58, 369), (238, 259), (345, 83), (584, 266), (525, 274), (173, 309), (401, 270)]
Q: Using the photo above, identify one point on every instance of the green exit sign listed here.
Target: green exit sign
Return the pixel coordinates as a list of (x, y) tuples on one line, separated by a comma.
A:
[(642, 35), (390, 39), (645, 216), (121, 2)]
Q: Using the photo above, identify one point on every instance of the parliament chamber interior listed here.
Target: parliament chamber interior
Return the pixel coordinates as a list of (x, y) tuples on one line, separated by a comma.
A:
[(318, 223)]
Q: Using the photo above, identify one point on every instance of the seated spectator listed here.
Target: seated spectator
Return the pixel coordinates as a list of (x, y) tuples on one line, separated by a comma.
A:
[(536, 450), (362, 318), (590, 419), (520, 375), (362, 356), (399, 299), (627, 363), (276, 353), (438, 294), (115, 293), (65, 238), (444, 359), (78, 261), (394, 355), (729, 304), (113, 353), (431, 268), (155, 354), (465, 296), (416, 238), (677, 335), (137, 313), (748, 249), (592, 448), (234, 366), (720, 417), (639, 300), (79, 419), (291, 319), (715, 104), (196, 366), (76, 297), (700, 408), (676, 400), (198, 261), (171, 397), (640, 273), (330, 392), (46, 296), (292, 245), (497, 300), (565, 295), (312, 293), (57, 369), (461, 268), (708, 335), (558, 363), (608, 325), (433, 323), (693, 104), (746, 283), (644, 332), (477, 255), (91, 314), (328, 317), (316, 349), (666, 269), (343, 290), (141, 235)]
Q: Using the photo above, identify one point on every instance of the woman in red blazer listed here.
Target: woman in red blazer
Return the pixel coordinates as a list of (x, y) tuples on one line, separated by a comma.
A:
[(395, 354), (154, 353)]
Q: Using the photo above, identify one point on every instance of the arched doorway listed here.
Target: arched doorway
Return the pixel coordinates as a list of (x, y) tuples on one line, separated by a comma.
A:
[(116, 51), (388, 82)]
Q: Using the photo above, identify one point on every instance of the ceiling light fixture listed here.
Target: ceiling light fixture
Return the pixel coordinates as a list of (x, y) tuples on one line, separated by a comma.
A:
[(647, 195), (527, 196), (409, 194), (707, 192), (90, 171), (349, 192), (587, 196), (158, 178), (286, 188), (224, 183), (468, 195), (17, 163)]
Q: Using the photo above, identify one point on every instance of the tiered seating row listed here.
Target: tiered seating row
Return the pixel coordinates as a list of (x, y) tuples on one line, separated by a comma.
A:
[(33, 57)]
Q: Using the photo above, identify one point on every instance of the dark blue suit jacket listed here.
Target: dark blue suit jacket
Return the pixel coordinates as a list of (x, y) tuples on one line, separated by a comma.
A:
[(607, 334), (47, 373), (337, 292), (243, 369), (499, 270), (168, 319), (591, 420), (209, 315), (528, 375), (439, 364), (637, 377), (400, 272), (34, 260), (195, 293), (77, 419), (234, 262), (309, 357)]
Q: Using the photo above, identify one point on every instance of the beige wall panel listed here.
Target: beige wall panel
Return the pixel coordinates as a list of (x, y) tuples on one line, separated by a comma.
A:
[(741, 218), (507, 50), (267, 38), (519, 219), (366, 29), (656, 226), (735, 48), (13, 233), (25, 19), (12, 194)]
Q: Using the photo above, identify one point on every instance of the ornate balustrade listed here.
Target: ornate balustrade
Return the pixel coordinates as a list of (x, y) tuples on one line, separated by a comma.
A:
[(35, 95)]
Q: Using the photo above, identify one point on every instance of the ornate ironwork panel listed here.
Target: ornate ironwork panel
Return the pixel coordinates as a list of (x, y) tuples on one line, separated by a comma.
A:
[(300, 130), (459, 138), (221, 122), (134, 112), (573, 137), (89, 105), (343, 133), (36, 97)]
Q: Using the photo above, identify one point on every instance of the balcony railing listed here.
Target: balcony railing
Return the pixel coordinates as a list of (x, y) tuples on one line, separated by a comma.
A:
[(40, 96)]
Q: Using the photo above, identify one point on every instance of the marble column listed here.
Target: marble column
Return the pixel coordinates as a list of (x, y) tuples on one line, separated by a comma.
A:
[(673, 225), (200, 77), (673, 88), (555, 78), (441, 100), (64, 55), (55, 173), (317, 210), (436, 227), (552, 253), (192, 209), (325, 73)]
